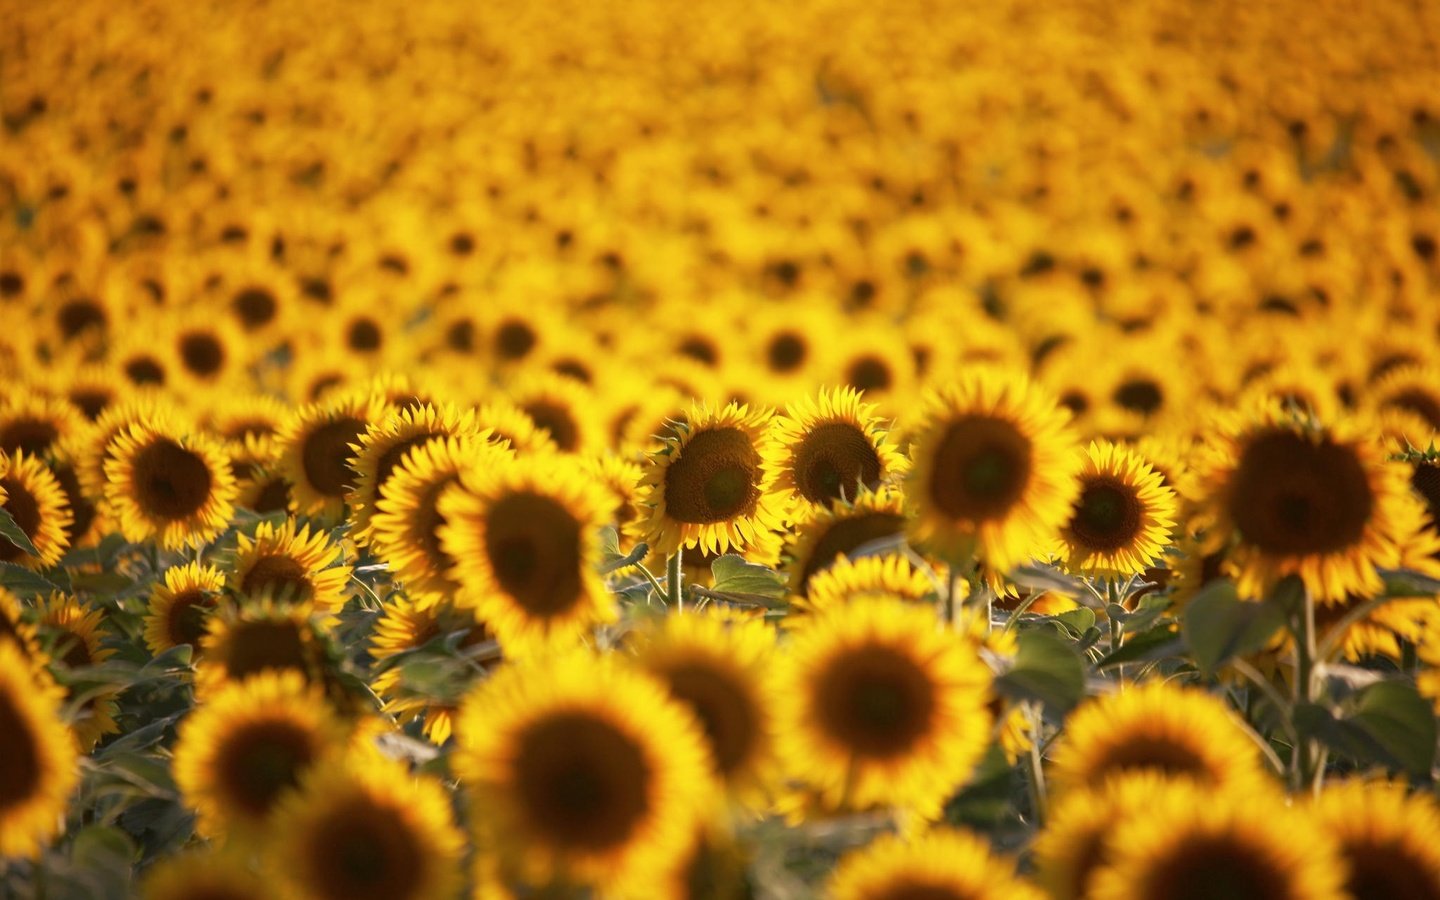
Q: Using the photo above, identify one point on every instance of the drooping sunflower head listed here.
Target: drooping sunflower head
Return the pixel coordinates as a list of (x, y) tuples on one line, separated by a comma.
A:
[(248, 745), (832, 448), (524, 535), (879, 706), (1292, 496), (994, 471), (366, 831), (712, 483), (291, 563), (1121, 522), (943, 864), (719, 666), (180, 607), (318, 444), (590, 770), (172, 486), (386, 444), (1180, 733), (40, 756), (34, 499), (1193, 841), (1388, 838), (823, 536)]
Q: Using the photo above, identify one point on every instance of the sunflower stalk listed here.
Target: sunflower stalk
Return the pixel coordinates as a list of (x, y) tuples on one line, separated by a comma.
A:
[(1035, 769), (673, 597), (1304, 758)]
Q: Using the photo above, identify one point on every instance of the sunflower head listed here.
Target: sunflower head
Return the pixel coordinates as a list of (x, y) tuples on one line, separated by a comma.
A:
[(524, 535), (248, 745), (943, 864), (823, 537), (32, 496), (712, 483), (833, 447), (318, 448), (994, 471), (879, 706), (290, 562), (40, 756), (1121, 522), (204, 875), (1387, 838), (592, 772), (175, 487), (180, 606)]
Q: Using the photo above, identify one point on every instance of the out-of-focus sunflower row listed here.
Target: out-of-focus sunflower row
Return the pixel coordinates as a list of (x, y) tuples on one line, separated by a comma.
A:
[(672, 451)]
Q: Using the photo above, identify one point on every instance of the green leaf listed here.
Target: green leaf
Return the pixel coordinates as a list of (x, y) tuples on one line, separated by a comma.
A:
[(1147, 609), (12, 532), (1075, 622), (1407, 583), (1047, 669), (733, 575), (25, 582), (1160, 642), (1218, 625), (1395, 716)]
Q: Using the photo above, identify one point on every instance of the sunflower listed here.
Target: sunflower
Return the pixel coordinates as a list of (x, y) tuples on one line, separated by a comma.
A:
[(16, 628), (833, 447), (92, 389), (33, 498), (878, 705), (620, 479), (509, 424), (1389, 839), (1180, 733), (180, 608), (1191, 841), (1073, 843), (386, 444), (140, 362), (239, 753), (366, 830), (405, 531), (244, 416), (718, 665), (317, 444), (168, 485), (94, 447), (587, 768), (1293, 496), (1121, 523), (208, 351), (890, 575), (87, 524), (711, 485), (409, 623), (994, 471), (1412, 390), (204, 875), (259, 636), (40, 757), (524, 535), (561, 407), (942, 864), (73, 635), (35, 424), (824, 536), (292, 563)]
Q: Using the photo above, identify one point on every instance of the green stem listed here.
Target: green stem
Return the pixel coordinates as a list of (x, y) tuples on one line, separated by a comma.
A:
[(1303, 768), (1035, 769), (650, 577), (672, 582)]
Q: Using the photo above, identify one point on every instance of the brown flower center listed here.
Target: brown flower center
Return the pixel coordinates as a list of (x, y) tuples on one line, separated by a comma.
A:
[(715, 478), (982, 466), (875, 701), (582, 783)]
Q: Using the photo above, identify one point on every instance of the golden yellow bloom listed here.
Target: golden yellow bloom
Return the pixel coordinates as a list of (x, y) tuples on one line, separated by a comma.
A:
[(74, 632), (318, 446), (1388, 838), (204, 875), (881, 706), (239, 753), (586, 770), (892, 575), (181, 606), (365, 830), (163, 484), (291, 563), (34, 499), (711, 485), (943, 864), (524, 534), (1181, 733), (994, 471), (40, 758), (1121, 523), (1073, 843), (825, 536), (833, 446)]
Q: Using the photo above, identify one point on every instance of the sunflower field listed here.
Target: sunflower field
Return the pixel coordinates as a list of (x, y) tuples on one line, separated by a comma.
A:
[(905, 451)]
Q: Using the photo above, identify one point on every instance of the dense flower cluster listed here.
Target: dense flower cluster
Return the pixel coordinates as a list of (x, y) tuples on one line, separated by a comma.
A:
[(704, 451)]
